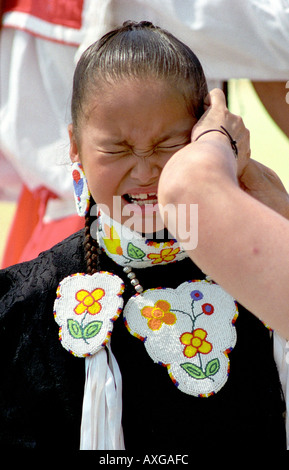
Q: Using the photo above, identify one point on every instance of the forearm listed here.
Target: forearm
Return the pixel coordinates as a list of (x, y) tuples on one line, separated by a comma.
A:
[(242, 244)]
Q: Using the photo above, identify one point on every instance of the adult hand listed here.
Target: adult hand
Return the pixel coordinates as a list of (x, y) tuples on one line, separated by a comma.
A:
[(255, 179), (217, 115)]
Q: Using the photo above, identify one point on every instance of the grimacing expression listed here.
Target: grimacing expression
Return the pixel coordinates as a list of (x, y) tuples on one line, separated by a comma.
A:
[(130, 130)]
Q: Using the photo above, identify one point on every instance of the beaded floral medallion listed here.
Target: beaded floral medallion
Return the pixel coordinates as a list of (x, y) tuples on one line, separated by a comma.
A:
[(190, 330), (85, 309)]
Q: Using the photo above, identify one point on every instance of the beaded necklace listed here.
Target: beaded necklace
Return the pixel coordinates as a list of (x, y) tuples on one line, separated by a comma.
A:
[(189, 330)]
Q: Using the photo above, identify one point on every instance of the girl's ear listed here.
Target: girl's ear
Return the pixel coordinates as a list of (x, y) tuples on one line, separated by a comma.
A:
[(73, 149)]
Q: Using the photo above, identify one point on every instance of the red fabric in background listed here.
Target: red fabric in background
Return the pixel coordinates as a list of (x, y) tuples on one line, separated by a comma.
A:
[(63, 12), (29, 235)]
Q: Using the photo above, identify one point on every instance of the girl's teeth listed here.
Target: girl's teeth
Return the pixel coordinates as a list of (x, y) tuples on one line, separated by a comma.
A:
[(142, 203), (141, 199), (140, 196)]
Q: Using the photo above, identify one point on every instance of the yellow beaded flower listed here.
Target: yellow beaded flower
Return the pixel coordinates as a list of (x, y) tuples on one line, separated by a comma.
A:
[(195, 342), (88, 301)]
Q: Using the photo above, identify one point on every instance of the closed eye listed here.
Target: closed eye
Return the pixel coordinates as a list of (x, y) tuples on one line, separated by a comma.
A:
[(171, 146), (116, 152), (168, 147)]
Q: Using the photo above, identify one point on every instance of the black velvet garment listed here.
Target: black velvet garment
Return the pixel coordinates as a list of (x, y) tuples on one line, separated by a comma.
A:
[(42, 385)]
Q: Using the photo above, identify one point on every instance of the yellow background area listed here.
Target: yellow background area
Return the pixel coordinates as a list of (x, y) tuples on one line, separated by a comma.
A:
[(268, 143), (6, 216)]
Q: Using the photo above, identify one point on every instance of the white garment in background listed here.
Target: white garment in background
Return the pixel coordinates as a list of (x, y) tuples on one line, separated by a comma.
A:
[(232, 38)]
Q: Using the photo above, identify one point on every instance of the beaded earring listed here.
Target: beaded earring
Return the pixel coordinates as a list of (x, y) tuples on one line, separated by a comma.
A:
[(81, 191)]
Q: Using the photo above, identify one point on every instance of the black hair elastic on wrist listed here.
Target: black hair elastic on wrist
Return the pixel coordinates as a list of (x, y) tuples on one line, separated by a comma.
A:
[(226, 133)]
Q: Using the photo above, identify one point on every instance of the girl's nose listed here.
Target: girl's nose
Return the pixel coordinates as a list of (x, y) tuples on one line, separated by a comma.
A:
[(145, 170)]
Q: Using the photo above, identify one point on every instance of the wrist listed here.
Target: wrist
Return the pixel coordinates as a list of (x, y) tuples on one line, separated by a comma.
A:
[(197, 169), (222, 131)]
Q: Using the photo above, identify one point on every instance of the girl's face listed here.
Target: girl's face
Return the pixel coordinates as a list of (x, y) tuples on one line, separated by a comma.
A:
[(129, 131)]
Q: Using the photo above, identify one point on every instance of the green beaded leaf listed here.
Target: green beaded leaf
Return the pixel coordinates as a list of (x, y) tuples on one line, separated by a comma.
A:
[(196, 372), (193, 370), (89, 331), (92, 329), (134, 252), (74, 329), (212, 367)]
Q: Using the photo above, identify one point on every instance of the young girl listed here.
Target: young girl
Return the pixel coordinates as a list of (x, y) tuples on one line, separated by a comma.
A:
[(161, 358)]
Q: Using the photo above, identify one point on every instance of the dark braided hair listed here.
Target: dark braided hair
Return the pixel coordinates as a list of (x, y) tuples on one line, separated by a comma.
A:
[(90, 244), (135, 50)]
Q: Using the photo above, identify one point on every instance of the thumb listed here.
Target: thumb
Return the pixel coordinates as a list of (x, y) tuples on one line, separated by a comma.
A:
[(216, 97), (214, 106)]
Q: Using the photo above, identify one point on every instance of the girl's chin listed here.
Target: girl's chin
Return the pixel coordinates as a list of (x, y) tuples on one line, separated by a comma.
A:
[(145, 218)]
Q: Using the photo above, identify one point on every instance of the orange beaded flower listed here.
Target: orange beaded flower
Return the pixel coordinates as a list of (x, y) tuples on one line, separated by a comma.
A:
[(158, 314), (166, 254)]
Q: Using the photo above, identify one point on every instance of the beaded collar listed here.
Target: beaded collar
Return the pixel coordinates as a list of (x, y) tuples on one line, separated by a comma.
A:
[(129, 248)]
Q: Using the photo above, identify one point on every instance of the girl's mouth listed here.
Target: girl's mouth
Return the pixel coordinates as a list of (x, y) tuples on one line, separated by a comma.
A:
[(141, 199)]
